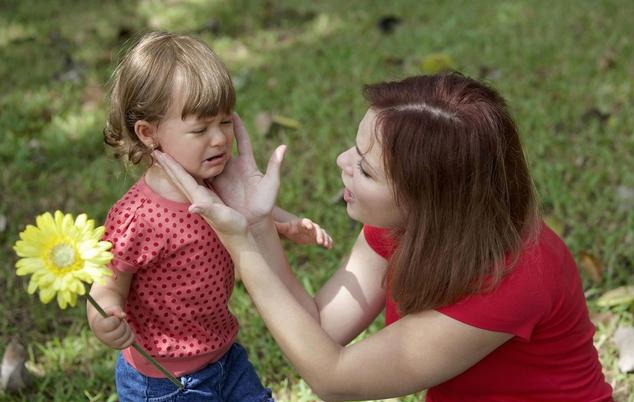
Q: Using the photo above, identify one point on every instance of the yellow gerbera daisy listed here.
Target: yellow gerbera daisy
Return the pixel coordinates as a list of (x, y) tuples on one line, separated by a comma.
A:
[(62, 253)]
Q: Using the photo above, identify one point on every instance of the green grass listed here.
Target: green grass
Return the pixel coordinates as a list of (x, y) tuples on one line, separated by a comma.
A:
[(565, 68)]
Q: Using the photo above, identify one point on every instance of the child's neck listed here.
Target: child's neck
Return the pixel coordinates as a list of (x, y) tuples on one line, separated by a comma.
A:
[(160, 183)]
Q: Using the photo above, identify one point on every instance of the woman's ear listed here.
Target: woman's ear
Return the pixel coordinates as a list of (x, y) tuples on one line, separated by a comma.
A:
[(146, 132)]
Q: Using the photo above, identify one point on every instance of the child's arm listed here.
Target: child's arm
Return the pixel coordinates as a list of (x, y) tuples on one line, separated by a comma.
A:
[(113, 330), (300, 230)]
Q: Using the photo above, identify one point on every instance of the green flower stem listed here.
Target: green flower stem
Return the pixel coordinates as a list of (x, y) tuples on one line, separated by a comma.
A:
[(139, 348)]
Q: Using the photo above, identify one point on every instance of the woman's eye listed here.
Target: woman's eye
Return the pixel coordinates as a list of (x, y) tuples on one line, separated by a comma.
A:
[(363, 172), (226, 122), (200, 131)]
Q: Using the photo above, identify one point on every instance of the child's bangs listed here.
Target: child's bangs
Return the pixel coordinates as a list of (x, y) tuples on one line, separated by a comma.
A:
[(207, 93)]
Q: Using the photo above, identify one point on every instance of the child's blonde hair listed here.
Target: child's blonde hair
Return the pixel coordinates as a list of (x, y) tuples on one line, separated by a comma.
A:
[(142, 87)]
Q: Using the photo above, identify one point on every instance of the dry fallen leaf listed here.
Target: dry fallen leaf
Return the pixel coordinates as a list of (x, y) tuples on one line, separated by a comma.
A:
[(602, 318), (263, 122), (625, 197), (624, 340), (616, 297), (436, 63), (285, 121), (592, 266), (13, 373)]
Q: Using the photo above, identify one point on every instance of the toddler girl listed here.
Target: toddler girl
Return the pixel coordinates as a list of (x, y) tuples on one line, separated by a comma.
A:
[(172, 277)]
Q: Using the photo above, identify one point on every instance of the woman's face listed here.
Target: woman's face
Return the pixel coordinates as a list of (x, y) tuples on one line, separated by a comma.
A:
[(367, 193)]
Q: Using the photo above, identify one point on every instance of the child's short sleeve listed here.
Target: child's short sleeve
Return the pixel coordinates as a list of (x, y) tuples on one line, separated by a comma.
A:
[(135, 242)]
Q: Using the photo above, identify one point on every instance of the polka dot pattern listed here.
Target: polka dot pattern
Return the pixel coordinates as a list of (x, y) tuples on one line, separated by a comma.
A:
[(183, 275)]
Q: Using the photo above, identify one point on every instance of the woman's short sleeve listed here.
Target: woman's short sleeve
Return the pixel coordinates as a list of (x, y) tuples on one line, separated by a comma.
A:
[(379, 240)]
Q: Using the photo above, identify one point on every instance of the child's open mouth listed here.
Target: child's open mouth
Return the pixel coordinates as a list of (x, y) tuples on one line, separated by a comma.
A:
[(215, 160)]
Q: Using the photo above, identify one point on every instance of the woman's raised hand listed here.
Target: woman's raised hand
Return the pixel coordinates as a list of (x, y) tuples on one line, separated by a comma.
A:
[(205, 202), (241, 196), (242, 186)]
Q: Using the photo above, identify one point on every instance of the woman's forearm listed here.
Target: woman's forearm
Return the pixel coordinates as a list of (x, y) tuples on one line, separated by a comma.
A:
[(268, 242), (307, 346)]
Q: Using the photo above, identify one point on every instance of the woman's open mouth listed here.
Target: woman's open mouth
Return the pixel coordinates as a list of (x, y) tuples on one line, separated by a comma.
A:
[(347, 195)]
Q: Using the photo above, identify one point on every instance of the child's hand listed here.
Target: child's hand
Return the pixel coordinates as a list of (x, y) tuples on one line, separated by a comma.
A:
[(113, 330), (304, 231)]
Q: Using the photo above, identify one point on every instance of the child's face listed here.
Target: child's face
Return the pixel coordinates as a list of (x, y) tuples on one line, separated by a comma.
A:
[(201, 145)]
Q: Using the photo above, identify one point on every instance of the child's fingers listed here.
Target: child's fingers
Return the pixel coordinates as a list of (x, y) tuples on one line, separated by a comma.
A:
[(123, 337), (319, 235), (111, 322), (282, 226), (307, 223), (329, 242), (115, 311)]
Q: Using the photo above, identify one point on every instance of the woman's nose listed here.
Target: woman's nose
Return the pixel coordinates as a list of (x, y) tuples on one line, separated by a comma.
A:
[(343, 161)]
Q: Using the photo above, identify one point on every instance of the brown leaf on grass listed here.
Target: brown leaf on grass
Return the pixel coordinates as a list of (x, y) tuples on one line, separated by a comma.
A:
[(592, 266), (265, 120), (623, 338), (284, 121), (602, 318), (625, 197), (436, 63), (607, 60), (617, 297), (13, 373), (263, 123)]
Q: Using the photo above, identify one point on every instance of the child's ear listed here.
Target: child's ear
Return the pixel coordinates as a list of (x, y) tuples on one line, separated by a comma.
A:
[(146, 132)]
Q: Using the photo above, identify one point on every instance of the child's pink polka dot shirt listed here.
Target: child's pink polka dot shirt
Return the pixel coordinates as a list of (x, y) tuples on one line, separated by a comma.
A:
[(183, 278)]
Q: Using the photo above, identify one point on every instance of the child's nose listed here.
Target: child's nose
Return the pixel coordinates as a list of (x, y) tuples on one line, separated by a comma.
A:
[(217, 137)]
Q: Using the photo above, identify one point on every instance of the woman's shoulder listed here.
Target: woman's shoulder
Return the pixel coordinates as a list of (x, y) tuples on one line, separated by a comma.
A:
[(545, 259), (380, 240)]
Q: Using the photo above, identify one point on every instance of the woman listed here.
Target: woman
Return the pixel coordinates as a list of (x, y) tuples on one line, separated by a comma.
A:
[(483, 301)]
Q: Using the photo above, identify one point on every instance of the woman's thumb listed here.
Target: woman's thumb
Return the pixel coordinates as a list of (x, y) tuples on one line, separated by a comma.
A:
[(273, 168)]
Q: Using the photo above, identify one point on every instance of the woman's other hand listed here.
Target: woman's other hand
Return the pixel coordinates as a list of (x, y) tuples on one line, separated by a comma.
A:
[(242, 186), (223, 219)]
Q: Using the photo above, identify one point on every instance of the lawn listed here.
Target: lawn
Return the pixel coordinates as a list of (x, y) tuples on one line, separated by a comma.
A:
[(565, 67)]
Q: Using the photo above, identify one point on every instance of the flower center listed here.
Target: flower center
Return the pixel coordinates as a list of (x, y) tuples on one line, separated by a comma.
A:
[(63, 255)]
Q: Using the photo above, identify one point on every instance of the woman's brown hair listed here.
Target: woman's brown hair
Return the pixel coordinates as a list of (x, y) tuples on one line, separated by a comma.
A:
[(453, 156), (142, 87)]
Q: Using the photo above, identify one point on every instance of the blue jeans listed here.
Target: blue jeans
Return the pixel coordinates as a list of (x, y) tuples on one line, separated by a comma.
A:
[(230, 379)]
